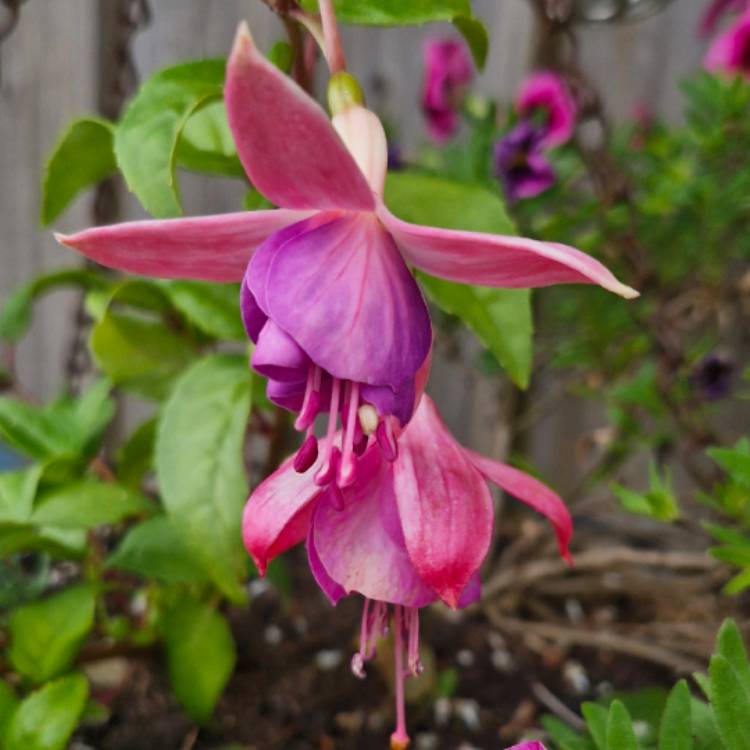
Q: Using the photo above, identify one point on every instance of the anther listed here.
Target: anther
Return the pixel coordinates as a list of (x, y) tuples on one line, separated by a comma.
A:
[(368, 418), (306, 455)]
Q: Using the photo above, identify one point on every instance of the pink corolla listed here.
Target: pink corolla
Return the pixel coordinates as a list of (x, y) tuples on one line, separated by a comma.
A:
[(448, 70), (545, 95), (714, 13), (534, 745), (404, 534), (730, 51), (339, 323)]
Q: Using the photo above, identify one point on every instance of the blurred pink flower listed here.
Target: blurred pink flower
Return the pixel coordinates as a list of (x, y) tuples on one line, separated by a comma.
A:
[(447, 71), (520, 163), (545, 93), (730, 51), (714, 13), (405, 534), (534, 745)]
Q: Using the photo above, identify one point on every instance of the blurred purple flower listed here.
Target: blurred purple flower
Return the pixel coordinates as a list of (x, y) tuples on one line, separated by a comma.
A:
[(546, 93), (520, 162), (534, 745), (447, 71), (730, 51), (713, 377), (714, 12)]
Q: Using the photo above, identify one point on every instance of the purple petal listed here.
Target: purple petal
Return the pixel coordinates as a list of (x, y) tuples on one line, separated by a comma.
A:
[(343, 293), (213, 248), (386, 400), (730, 52), (284, 139), (277, 356)]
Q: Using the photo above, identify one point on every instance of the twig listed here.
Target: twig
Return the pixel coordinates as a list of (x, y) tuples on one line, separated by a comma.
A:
[(550, 701)]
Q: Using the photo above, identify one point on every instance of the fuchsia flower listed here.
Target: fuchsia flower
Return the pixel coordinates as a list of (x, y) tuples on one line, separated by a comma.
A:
[(447, 72), (535, 745), (405, 533), (339, 323), (520, 162), (730, 51), (545, 94), (715, 11)]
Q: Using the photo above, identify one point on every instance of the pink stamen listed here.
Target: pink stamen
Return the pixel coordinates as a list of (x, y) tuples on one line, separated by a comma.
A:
[(399, 738), (327, 470), (359, 659), (387, 440), (413, 661), (347, 472), (306, 455), (311, 401)]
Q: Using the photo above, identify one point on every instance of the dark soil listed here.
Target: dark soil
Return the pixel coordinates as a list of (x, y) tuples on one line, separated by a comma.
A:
[(292, 688)]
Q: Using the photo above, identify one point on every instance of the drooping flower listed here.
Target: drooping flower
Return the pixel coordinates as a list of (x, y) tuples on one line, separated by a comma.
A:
[(447, 72), (545, 95), (403, 535), (520, 162), (730, 52), (339, 323), (715, 11)]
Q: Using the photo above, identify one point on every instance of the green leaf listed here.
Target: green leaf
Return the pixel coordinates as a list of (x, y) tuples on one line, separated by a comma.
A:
[(206, 145), (155, 549), (46, 718), (475, 34), (45, 635), (136, 457), (596, 722), (17, 492), (83, 156), (8, 704), (729, 644), (730, 703), (676, 728), (704, 726), (214, 308), (394, 12), (200, 654), (147, 136), (200, 467), (59, 543), (15, 316), (140, 355), (88, 504), (735, 461), (620, 734), (501, 318), (282, 56)]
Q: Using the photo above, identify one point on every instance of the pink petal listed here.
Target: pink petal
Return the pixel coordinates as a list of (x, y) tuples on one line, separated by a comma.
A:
[(547, 91), (213, 248), (444, 505), (284, 139), (330, 588), (363, 134), (527, 746), (497, 260), (361, 547), (729, 52), (277, 514), (530, 491)]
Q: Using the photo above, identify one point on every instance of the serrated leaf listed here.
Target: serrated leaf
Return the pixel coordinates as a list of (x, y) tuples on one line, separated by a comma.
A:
[(394, 12), (214, 308), (87, 504), (155, 549), (620, 734), (501, 318), (200, 467), (676, 728), (730, 703), (147, 136), (200, 654), (46, 718), (45, 635), (83, 156), (475, 34)]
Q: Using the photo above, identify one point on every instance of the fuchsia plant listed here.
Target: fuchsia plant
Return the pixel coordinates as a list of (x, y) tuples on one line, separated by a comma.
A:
[(448, 70), (391, 507), (730, 51), (544, 95), (405, 533)]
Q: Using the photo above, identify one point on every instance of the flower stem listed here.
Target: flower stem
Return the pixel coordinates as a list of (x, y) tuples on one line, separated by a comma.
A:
[(334, 51)]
